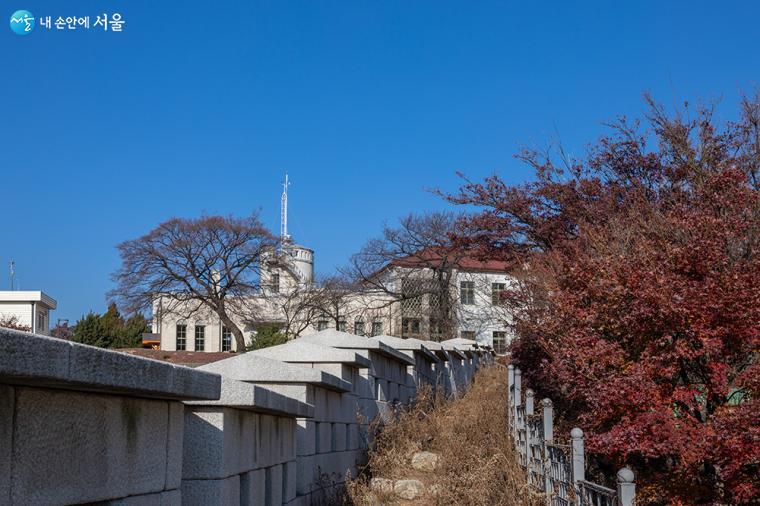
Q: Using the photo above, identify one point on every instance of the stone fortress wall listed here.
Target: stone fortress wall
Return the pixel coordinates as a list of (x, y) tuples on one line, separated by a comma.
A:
[(279, 426)]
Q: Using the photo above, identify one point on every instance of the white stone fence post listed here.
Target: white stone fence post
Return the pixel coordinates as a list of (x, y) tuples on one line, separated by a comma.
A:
[(557, 470)]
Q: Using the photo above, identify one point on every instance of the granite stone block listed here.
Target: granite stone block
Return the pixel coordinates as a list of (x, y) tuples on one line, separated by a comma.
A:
[(121, 461), (206, 492), (306, 437), (253, 488), (274, 485)]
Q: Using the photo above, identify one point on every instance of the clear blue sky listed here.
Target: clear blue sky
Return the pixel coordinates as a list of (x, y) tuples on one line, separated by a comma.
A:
[(200, 107)]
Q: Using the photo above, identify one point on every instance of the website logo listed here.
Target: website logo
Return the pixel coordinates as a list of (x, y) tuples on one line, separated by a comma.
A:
[(22, 22)]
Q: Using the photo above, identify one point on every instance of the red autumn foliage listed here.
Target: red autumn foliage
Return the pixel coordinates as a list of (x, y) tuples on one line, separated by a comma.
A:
[(638, 301)]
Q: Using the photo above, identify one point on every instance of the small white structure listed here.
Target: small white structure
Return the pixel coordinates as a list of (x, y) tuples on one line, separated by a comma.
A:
[(30, 308)]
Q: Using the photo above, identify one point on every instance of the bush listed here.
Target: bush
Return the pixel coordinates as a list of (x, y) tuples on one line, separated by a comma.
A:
[(477, 464)]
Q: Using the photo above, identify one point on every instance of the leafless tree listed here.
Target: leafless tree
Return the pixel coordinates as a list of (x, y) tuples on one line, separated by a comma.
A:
[(194, 265), (332, 298), (298, 308), (13, 323), (414, 264)]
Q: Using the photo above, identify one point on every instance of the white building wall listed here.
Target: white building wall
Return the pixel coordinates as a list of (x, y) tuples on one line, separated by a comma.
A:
[(21, 310), (484, 317)]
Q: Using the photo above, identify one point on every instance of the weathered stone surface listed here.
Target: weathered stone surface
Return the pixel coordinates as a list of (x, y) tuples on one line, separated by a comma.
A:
[(31, 359), (306, 437), (268, 451), (253, 488), (339, 437), (7, 409), (408, 489), (218, 443), (300, 351), (324, 437), (274, 485), (71, 447), (288, 436), (175, 435), (305, 473), (253, 368), (425, 461), (409, 344), (246, 396), (336, 339), (382, 485), (289, 481), (168, 498), (206, 492)]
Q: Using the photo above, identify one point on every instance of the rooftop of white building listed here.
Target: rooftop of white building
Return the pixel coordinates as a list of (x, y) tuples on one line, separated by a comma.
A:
[(19, 296)]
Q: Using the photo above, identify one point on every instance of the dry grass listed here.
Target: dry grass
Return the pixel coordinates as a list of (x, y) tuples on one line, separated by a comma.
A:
[(477, 463)]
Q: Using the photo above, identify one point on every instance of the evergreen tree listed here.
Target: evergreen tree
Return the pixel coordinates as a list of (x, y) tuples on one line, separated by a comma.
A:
[(89, 330), (267, 335)]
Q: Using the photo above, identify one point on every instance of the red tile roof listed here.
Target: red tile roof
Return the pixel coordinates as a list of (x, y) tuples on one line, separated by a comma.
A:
[(431, 256)]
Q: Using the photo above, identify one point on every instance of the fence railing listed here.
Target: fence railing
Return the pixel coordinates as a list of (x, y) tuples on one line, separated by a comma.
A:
[(557, 470)]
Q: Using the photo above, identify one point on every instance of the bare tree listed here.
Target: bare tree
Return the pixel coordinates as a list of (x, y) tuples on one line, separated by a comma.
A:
[(297, 308), (13, 323), (332, 298), (414, 264), (191, 265)]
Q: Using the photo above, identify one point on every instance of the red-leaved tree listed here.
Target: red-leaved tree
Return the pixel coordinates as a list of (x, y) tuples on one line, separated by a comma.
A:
[(639, 298)]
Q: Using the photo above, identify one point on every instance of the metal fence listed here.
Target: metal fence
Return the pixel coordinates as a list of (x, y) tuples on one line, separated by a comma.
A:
[(557, 470)]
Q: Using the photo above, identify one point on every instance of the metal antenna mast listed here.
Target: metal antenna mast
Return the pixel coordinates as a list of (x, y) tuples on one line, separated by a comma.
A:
[(284, 237), (12, 273)]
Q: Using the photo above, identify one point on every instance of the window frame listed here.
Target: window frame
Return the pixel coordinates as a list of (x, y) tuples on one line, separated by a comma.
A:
[(202, 328), (226, 339), (467, 293), (497, 292), (177, 337), (502, 348)]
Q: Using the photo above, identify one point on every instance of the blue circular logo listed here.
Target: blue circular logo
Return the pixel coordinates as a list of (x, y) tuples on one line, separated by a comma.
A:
[(22, 22)]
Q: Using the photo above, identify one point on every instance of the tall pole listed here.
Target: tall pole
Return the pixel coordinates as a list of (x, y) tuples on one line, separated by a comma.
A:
[(12, 274), (284, 212)]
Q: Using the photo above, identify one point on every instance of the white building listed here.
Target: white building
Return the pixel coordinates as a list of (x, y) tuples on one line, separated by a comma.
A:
[(475, 292), (28, 308), (287, 280)]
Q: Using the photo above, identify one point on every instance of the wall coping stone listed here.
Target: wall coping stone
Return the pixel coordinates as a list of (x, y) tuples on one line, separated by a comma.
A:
[(299, 351), (250, 397), (454, 351), (35, 360), (412, 344), (253, 368), (337, 339)]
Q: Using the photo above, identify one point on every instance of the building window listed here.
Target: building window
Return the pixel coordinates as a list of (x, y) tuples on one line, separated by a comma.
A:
[(40, 322), (342, 325), (359, 327), (500, 342), (200, 337), (377, 328), (226, 339), (321, 325), (181, 337), (467, 292), (468, 334), (497, 293), (276, 282), (410, 327)]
